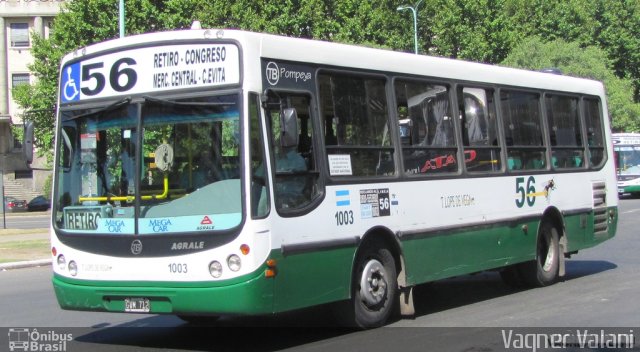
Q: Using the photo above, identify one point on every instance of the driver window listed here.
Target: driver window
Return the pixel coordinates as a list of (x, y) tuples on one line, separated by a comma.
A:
[(293, 160)]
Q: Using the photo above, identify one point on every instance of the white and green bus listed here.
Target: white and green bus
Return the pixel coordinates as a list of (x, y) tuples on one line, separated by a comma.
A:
[(205, 173), (626, 149)]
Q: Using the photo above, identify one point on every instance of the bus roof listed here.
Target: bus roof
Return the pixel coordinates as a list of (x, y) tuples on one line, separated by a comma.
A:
[(351, 56)]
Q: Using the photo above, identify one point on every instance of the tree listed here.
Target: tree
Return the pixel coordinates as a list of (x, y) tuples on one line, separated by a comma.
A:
[(483, 30), (471, 30), (79, 24), (620, 37), (590, 62)]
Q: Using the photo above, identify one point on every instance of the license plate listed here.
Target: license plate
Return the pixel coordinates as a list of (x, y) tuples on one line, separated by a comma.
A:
[(137, 305)]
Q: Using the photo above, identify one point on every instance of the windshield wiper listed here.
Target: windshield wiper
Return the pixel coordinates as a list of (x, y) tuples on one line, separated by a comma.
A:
[(186, 103)]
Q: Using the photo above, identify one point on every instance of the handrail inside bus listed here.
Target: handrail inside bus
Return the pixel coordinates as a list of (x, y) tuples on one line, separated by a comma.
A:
[(129, 199)]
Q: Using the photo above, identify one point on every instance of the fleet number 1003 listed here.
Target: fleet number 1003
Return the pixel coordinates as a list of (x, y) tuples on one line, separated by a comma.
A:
[(178, 268), (344, 217)]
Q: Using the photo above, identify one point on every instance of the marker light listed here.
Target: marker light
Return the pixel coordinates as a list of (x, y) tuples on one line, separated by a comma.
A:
[(62, 262), (215, 269), (271, 271), (73, 268), (234, 262), (54, 251), (244, 249)]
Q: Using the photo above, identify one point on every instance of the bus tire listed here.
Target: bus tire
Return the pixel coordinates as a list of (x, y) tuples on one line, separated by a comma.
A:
[(543, 271), (374, 288)]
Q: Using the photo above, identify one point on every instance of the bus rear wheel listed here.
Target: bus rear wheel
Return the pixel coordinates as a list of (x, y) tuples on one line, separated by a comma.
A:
[(374, 290), (543, 271)]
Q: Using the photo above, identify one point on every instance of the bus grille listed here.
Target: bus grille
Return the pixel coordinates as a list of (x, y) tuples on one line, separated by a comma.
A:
[(600, 219)]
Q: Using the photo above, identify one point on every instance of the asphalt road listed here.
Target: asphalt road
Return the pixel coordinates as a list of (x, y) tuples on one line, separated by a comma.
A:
[(472, 313), (26, 220)]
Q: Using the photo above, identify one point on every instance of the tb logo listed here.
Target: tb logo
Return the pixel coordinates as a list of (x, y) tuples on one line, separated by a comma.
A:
[(273, 76)]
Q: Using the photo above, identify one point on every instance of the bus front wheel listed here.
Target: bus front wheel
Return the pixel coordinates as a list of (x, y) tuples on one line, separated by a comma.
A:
[(543, 271), (374, 287)]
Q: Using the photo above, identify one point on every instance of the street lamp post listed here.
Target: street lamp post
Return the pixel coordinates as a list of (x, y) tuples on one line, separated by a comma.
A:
[(121, 17), (414, 10)]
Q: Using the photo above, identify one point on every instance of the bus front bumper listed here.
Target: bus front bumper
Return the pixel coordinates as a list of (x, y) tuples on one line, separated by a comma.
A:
[(251, 296), (628, 188)]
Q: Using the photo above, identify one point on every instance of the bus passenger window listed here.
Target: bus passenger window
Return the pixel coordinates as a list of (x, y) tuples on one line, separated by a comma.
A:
[(565, 132), (427, 130), (356, 125), (479, 127), (595, 132), (523, 130)]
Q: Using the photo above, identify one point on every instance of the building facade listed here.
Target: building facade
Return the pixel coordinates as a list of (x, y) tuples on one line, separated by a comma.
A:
[(19, 20)]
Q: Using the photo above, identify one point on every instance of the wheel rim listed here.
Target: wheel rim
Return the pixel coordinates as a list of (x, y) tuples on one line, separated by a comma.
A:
[(550, 256), (373, 283)]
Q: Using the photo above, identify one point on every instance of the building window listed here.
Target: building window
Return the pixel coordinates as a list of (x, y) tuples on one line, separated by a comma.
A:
[(19, 35), (18, 79)]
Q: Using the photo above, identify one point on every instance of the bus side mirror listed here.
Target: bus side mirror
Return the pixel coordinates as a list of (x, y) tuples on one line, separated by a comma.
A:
[(289, 124), (27, 145)]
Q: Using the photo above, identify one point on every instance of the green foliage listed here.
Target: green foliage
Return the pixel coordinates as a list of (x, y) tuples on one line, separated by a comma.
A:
[(620, 37), (472, 30), (482, 30), (589, 62), (46, 188)]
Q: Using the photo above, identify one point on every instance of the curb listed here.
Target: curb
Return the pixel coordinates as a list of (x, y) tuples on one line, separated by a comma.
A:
[(25, 264)]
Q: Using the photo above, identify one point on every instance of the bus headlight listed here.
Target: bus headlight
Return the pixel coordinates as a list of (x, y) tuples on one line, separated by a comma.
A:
[(234, 262), (62, 262), (215, 269), (73, 268)]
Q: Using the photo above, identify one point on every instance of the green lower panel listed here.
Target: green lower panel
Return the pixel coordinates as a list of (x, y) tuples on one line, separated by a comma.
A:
[(252, 296), (461, 252), (432, 257), (313, 278)]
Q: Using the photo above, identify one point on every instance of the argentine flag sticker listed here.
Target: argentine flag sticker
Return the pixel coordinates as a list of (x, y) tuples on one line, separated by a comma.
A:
[(342, 198)]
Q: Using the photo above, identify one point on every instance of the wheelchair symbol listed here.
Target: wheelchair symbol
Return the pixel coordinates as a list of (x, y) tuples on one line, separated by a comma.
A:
[(70, 90)]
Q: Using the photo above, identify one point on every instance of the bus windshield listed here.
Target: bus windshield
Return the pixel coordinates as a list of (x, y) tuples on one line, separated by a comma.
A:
[(628, 160), (181, 174)]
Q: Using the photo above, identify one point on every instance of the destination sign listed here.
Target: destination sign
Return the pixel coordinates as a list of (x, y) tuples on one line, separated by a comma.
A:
[(152, 69), (82, 218)]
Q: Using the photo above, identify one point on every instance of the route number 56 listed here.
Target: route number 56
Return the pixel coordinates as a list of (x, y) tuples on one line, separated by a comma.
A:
[(121, 76), (527, 193)]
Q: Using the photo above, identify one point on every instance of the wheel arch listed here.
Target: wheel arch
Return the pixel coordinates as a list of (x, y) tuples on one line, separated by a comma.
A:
[(385, 237), (555, 217)]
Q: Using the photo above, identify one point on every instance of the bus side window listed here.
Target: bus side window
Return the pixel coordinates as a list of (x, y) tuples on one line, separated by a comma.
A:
[(565, 131), (427, 132), (293, 163), (356, 125), (259, 179), (595, 132), (523, 129), (480, 130)]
